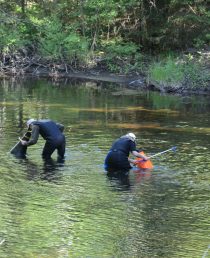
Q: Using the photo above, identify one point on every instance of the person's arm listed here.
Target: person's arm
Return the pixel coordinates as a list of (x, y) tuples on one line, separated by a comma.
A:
[(133, 161), (60, 127), (137, 154), (34, 136)]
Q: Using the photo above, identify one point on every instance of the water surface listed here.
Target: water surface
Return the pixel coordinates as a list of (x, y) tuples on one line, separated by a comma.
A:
[(75, 209)]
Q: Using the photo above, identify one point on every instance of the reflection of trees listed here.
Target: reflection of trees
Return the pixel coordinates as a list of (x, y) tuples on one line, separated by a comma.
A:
[(16, 105), (41, 99), (92, 104), (20, 117)]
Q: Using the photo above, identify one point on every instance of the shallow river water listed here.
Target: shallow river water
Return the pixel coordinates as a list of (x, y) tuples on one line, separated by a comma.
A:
[(74, 209)]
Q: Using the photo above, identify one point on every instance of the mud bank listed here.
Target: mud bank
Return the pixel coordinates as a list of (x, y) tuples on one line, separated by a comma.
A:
[(128, 81)]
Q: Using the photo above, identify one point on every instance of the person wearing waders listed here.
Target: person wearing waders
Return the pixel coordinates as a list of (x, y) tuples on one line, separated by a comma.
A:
[(118, 156), (52, 133)]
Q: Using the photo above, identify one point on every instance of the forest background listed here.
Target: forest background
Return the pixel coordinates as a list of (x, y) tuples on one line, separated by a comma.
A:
[(165, 42)]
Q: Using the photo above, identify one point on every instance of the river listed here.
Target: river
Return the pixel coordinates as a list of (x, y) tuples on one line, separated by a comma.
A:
[(75, 209)]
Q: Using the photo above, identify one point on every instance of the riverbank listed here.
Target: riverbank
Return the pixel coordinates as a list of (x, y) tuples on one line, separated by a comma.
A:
[(160, 75)]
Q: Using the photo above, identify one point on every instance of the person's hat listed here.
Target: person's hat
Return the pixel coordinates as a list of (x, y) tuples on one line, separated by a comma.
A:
[(131, 136), (30, 121)]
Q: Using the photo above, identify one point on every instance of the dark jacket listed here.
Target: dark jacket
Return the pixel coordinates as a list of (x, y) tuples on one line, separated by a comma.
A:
[(124, 145), (49, 130), (117, 157)]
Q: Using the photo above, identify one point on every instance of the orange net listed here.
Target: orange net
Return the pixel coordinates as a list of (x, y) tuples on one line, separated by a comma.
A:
[(140, 163)]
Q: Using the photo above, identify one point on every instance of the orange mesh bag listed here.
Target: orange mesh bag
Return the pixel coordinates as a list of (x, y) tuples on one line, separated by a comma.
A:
[(140, 163)]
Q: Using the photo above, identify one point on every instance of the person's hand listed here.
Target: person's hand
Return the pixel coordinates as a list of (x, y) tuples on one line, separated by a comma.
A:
[(23, 142), (132, 161), (144, 158)]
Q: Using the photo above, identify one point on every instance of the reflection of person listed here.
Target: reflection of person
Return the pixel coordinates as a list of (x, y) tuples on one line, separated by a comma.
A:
[(141, 174), (53, 134), (118, 155), (119, 179), (49, 171)]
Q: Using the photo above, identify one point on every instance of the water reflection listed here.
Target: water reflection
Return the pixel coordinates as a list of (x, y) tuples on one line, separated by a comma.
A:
[(119, 180), (49, 207), (50, 169), (122, 180), (141, 174)]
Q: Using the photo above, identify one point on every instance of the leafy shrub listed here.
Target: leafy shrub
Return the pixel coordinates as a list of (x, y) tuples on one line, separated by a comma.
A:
[(121, 56), (15, 39), (76, 48), (194, 75), (59, 43), (51, 39)]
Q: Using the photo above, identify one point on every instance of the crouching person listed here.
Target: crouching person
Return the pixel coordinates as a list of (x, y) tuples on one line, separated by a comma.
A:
[(118, 156), (52, 133)]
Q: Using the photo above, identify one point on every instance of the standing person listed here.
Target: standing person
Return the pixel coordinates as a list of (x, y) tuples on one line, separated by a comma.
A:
[(53, 134), (118, 156)]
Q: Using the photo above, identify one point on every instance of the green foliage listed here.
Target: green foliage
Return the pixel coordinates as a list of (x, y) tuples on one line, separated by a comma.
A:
[(118, 49), (59, 43), (76, 46), (166, 72), (120, 56), (51, 39), (16, 38), (195, 76), (162, 24), (178, 73), (69, 30)]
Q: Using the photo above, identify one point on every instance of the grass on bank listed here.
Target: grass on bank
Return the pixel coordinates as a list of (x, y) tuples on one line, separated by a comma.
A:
[(178, 73)]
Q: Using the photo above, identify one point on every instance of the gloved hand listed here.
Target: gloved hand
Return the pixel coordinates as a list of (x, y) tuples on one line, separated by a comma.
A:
[(23, 142)]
